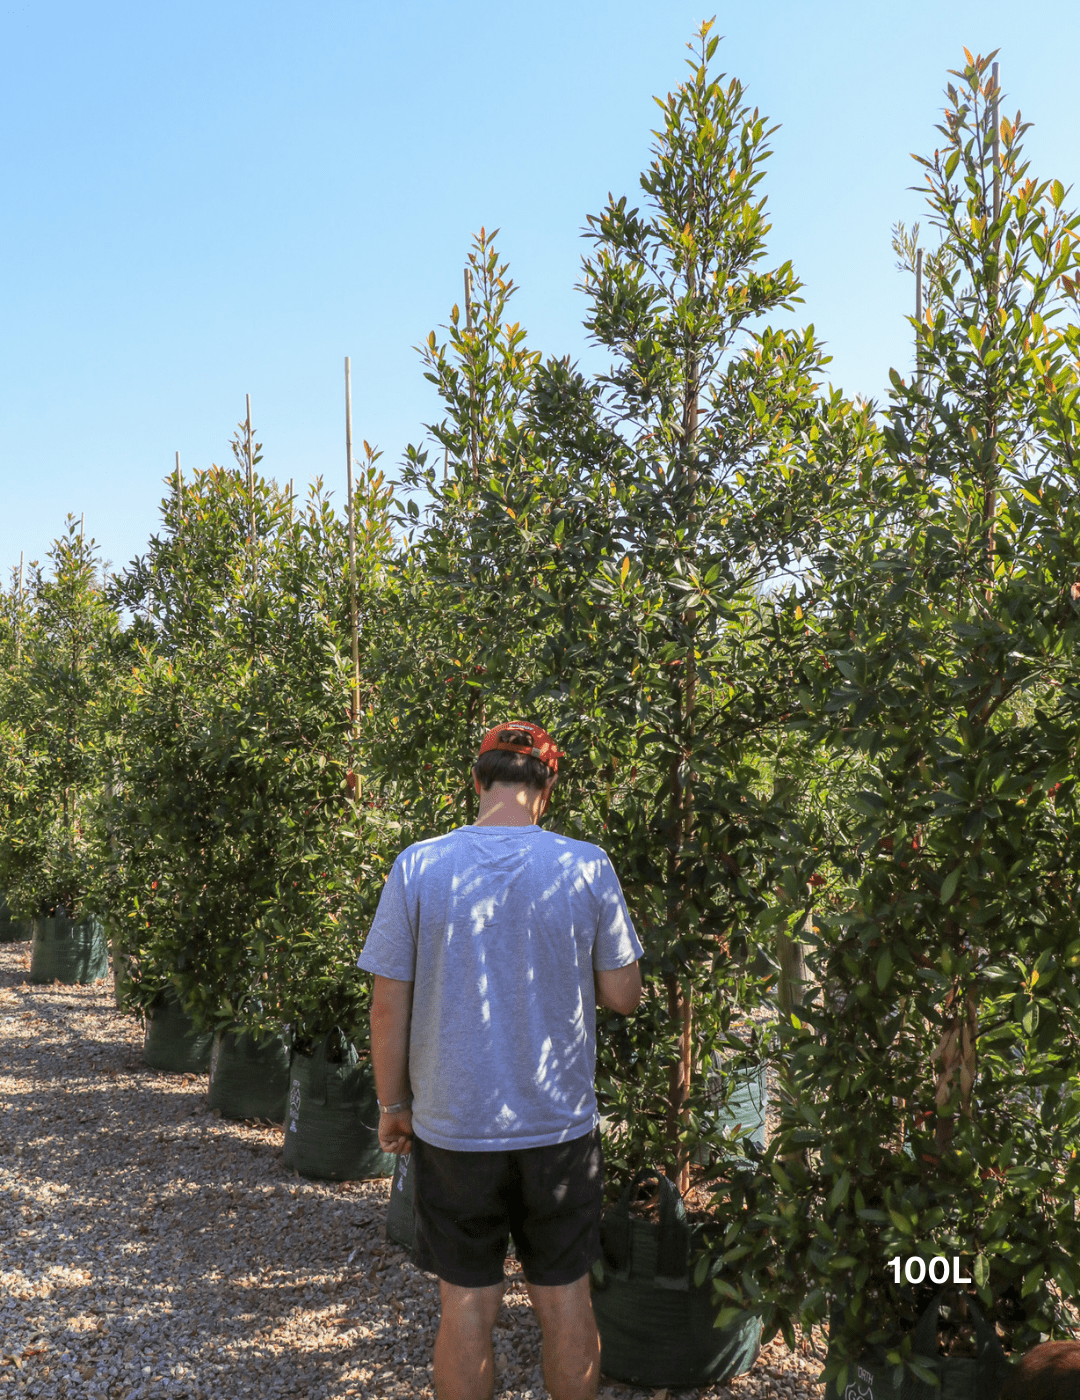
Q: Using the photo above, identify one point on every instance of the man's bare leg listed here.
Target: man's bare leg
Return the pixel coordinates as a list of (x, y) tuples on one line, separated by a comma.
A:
[(571, 1343), (464, 1364)]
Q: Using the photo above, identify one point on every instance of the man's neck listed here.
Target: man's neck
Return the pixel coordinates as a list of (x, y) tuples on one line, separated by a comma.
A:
[(509, 804)]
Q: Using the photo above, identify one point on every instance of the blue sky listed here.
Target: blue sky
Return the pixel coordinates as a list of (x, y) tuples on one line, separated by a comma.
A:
[(206, 200)]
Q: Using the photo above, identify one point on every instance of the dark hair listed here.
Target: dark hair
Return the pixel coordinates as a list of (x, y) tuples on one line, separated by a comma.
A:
[(502, 766)]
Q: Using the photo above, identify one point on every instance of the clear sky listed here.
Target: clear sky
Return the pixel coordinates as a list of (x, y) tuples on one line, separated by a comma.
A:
[(203, 200)]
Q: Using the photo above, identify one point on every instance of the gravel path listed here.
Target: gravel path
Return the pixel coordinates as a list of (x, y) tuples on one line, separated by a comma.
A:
[(150, 1249)]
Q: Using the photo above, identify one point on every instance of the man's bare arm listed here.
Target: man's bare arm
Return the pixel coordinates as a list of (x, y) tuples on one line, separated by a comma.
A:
[(620, 988), (391, 1013)]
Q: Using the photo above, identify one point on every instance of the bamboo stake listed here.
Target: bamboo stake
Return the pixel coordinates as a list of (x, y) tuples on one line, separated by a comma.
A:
[(18, 612), (290, 499), (250, 454), (82, 522), (353, 629), (250, 474)]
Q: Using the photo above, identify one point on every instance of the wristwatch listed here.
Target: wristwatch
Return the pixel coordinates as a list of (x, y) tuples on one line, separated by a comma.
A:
[(396, 1107)]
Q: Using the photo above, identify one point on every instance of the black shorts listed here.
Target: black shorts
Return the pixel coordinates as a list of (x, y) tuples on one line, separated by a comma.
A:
[(469, 1204)]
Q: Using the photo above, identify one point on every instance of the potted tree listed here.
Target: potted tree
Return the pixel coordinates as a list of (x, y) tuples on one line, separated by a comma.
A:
[(50, 846), (13, 619), (235, 798), (931, 1160), (633, 521), (671, 674)]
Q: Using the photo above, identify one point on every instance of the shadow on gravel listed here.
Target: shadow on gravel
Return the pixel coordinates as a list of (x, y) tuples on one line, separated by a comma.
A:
[(152, 1249)]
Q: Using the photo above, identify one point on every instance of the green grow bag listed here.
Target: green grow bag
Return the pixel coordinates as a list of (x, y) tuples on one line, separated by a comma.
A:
[(400, 1220), (656, 1326), (249, 1078), (959, 1377), (12, 930), (331, 1125), (746, 1107), (171, 1042), (64, 951)]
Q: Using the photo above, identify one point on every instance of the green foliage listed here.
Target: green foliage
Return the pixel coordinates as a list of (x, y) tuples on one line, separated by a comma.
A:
[(52, 716), (247, 872), (452, 650), (936, 1108), (815, 674), (679, 510)]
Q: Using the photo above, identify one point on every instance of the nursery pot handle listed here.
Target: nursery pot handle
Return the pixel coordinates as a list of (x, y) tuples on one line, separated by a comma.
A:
[(673, 1242)]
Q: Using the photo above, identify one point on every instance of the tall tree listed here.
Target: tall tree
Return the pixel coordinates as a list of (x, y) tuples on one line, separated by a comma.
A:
[(683, 509), (455, 646), (937, 1103)]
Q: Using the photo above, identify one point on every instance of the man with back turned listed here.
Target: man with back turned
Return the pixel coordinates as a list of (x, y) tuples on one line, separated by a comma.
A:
[(490, 948)]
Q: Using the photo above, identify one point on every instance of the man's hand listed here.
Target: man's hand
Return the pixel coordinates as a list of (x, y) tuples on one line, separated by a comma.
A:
[(395, 1132), (391, 1011)]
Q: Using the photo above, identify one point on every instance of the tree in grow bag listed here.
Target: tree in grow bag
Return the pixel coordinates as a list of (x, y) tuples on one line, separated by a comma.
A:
[(54, 720), (634, 522), (664, 656), (244, 854), (937, 1117)]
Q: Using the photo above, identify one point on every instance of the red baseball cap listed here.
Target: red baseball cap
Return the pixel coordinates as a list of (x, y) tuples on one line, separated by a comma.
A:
[(520, 737)]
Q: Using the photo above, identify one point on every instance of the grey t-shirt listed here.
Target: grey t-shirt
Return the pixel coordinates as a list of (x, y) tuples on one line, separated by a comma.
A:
[(499, 930)]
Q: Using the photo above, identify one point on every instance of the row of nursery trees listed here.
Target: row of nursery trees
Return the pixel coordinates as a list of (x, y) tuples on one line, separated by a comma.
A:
[(814, 664)]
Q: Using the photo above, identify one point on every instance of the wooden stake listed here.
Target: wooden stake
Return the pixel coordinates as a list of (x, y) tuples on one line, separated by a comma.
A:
[(250, 472), (82, 522), (250, 453), (18, 613), (353, 628)]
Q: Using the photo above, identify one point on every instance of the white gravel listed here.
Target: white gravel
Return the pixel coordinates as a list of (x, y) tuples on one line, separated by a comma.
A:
[(150, 1249)]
